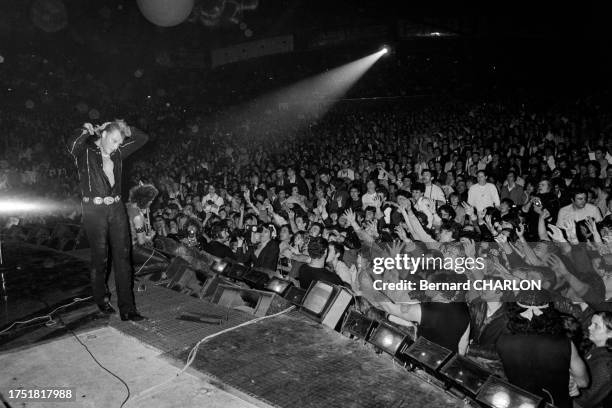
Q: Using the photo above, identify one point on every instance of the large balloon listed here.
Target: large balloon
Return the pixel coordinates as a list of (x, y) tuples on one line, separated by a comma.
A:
[(49, 15), (165, 13)]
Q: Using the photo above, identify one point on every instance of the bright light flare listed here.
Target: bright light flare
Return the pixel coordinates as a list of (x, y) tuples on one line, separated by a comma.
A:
[(21, 206), (500, 399), (387, 340), (384, 50)]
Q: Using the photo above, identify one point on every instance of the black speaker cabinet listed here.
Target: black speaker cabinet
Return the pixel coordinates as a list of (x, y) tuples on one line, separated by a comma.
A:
[(253, 301), (187, 280)]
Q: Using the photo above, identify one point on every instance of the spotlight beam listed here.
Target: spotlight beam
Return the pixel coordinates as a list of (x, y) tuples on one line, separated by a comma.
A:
[(312, 96), (331, 84)]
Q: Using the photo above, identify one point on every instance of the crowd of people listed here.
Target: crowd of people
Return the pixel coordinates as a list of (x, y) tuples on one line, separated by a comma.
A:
[(321, 197), (529, 192)]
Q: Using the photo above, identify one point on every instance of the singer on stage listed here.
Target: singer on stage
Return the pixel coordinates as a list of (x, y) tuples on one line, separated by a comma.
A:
[(98, 153)]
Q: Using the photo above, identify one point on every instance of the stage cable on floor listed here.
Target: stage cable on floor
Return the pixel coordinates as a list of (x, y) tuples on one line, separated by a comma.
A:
[(127, 387), (145, 262), (47, 316), (194, 350), (4, 402)]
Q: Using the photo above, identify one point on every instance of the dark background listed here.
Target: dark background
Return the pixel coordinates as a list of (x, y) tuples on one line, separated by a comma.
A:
[(543, 50)]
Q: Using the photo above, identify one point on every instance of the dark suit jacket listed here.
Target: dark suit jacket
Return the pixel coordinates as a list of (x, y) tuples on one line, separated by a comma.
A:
[(268, 257)]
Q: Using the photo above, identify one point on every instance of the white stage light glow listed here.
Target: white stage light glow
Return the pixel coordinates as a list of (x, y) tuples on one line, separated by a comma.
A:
[(20, 206)]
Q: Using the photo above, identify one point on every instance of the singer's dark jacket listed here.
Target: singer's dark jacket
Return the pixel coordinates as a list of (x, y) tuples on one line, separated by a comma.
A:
[(88, 158)]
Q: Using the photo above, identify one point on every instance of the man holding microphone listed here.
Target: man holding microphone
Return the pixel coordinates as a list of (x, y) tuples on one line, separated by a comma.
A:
[(98, 153)]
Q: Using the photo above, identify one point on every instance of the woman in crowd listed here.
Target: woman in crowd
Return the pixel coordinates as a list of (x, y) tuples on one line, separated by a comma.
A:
[(599, 362), (536, 353)]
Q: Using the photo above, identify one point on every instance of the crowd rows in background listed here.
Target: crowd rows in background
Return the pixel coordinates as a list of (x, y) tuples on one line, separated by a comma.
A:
[(321, 197), (527, 191)]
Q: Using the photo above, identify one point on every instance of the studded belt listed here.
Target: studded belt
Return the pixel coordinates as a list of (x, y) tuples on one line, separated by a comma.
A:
[(102, 200)]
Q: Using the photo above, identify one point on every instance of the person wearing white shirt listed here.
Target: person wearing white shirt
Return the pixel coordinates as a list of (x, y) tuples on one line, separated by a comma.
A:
[(370, 197), (212, 201), (423, 204), (432, 191), (334, 260), (480, 163), (483, 194), (578, 210), (346, 172)]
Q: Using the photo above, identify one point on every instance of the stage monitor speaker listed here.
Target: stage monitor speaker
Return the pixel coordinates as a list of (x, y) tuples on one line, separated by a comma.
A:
[(219, 266), (357, 324), (326, 303), (279, 286), (177, 267), (256, 279), (428, 354), (499, 393), (295, 295), (387, 338), (256, 302), (187, 280), (236, 271), (468, 375)]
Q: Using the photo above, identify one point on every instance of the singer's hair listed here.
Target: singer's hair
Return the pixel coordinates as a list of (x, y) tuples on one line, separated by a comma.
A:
[(118, 125)]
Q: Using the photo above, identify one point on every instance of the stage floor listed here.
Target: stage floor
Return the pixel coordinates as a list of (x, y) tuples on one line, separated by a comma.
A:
[(65, 362), (284, 361)]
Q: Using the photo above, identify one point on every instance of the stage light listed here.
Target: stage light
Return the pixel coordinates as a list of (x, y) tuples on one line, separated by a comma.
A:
[(295, 295), (256, 279), (466, 374), (429, 354), (384, 50), (357, 324), (278, 285), (497, 393), (219, 266), (236, 271), (19, 206), (387, 338), (16, 206)]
